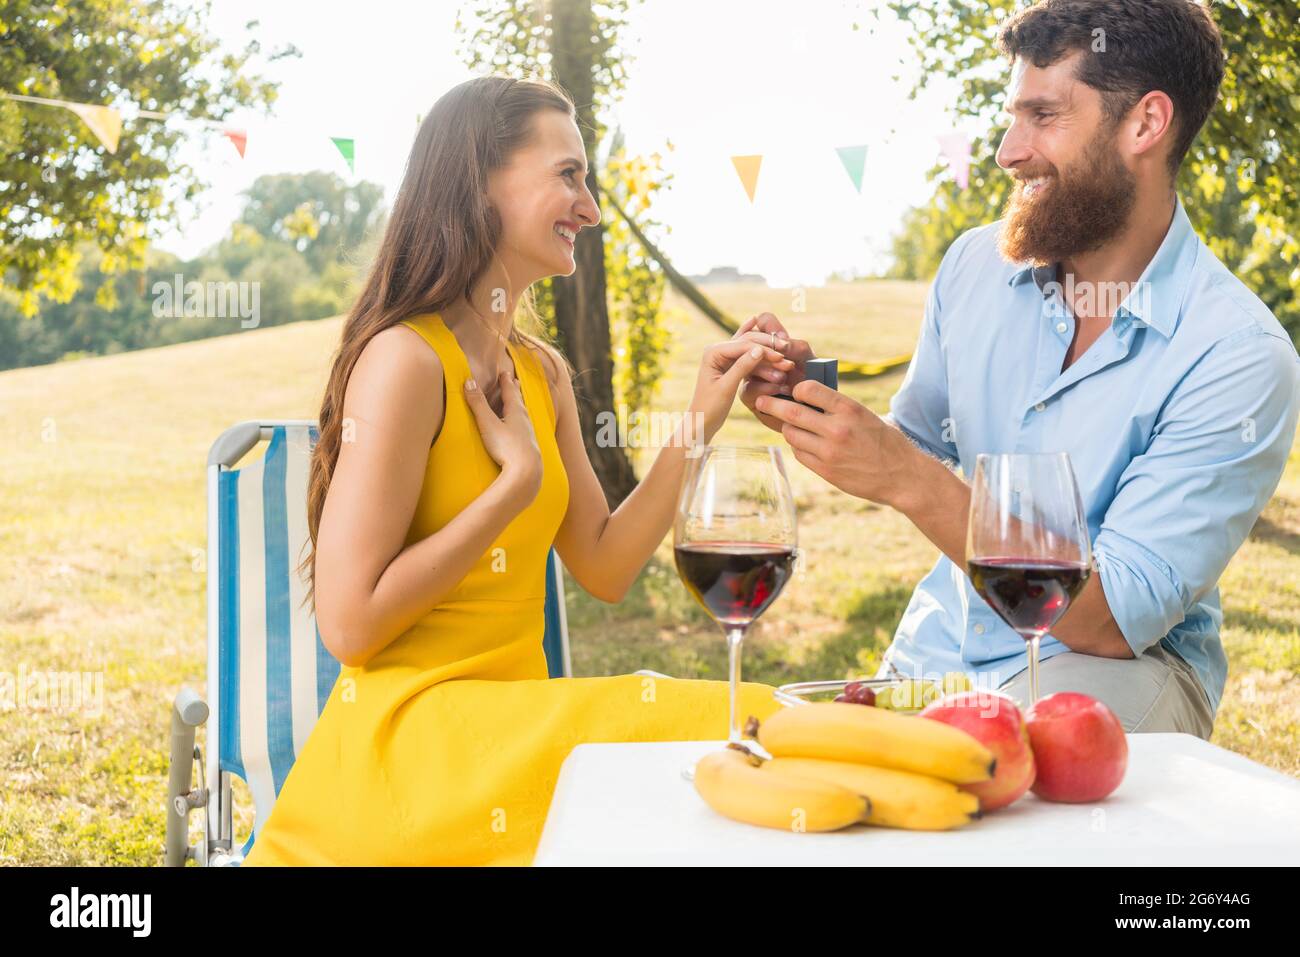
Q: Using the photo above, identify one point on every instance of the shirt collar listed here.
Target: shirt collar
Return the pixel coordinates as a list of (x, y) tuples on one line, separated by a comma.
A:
[(1158, 296)]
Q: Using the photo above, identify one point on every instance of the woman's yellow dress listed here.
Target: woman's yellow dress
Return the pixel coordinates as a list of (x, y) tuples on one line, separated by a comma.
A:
[(445, 747)]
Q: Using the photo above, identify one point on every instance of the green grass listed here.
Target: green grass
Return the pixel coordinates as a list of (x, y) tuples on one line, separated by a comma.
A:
[(101, 544)]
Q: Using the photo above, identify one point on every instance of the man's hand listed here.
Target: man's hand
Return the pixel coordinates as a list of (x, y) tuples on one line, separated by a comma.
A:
[(846, 444), (797, 350)]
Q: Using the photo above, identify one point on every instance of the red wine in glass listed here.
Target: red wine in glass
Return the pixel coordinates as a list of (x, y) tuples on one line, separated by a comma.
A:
[(1028, 551), (735, 581), (735, 542), (1030, 595)]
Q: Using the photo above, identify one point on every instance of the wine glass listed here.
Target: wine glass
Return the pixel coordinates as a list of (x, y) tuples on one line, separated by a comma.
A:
[(1027, 547), (734, 541)]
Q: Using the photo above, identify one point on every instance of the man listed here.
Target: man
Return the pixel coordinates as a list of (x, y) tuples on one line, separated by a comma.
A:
[(1177, 405)]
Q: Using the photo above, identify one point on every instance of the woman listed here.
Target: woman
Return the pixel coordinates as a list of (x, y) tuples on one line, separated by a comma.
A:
[(450, 460)]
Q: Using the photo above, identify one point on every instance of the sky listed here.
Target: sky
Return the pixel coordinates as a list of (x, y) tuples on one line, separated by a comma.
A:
[(717, 78)]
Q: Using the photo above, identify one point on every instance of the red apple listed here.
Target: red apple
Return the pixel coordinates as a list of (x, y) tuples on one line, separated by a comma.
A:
[(1079, 745), (994, 720)]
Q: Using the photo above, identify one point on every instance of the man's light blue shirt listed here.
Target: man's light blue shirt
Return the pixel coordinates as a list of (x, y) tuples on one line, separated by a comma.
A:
[(1178, 420)]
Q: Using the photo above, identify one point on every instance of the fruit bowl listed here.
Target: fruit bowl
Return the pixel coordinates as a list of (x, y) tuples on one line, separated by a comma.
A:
[(898, 693), (806, 692)]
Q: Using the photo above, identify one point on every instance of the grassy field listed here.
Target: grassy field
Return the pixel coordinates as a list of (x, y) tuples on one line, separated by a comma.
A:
[(101, 570)]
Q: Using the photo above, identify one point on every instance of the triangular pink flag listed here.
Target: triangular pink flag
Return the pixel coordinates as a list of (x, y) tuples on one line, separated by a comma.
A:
[(955, 148), (239, 138)]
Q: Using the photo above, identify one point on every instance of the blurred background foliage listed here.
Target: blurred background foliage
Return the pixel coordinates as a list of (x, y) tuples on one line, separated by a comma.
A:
[(302, 237), (61, 195)]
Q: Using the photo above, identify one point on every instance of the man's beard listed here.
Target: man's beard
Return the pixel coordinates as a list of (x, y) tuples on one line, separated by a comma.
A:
[(1075, 213)]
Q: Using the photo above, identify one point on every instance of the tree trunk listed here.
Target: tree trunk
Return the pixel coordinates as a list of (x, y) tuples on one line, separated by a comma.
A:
[(581, 307)]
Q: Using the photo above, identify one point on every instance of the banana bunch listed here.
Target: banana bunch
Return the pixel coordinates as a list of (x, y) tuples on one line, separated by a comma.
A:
[(836, 764), (731, 783), (886, 739), (917, 802)]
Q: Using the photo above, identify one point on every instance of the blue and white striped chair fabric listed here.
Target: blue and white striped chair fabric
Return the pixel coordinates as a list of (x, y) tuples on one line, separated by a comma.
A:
[(275, 674), (556, 640)]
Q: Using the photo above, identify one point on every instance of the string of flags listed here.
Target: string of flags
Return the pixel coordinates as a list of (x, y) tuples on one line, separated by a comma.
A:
[(955, 148), (106, 123)]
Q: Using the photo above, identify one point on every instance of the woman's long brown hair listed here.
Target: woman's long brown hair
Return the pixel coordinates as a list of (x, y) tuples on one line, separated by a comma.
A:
[(440, 239)]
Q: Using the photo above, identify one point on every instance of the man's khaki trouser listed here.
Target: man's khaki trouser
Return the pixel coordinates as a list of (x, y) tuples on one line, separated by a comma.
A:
[(1157, 691)]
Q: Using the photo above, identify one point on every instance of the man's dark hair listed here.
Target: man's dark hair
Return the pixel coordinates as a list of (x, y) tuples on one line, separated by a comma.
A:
[(1130, 47)]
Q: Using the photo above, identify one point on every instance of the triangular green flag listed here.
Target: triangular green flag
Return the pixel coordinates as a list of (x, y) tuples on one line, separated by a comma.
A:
[(854, 159), (346, 147)]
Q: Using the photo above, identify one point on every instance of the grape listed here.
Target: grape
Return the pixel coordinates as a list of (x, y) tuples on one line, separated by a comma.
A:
[(857, 692), (863, 695)]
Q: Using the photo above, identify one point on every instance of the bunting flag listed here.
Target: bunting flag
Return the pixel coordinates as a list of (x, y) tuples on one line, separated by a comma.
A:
[(239, 138), (747, 170), (854, 159), (346, 147), (955, 148), (104, 121)]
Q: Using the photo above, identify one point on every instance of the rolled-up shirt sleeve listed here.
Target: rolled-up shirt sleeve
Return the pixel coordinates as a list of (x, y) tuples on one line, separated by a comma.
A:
[(920, 407), (1185, 505)]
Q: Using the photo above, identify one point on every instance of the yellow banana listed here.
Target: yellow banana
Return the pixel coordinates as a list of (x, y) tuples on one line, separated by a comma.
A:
[(898, 798), (731, 785), (839, 731)]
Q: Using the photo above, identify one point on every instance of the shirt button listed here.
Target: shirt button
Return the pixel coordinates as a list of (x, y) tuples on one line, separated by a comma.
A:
[(979, 629), (1040, 407), (1061, 327)]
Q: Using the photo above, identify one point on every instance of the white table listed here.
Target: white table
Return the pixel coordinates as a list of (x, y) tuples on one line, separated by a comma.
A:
[(1183, 801)]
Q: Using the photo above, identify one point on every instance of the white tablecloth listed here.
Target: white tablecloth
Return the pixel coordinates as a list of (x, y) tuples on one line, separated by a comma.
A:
[(1183, 801)]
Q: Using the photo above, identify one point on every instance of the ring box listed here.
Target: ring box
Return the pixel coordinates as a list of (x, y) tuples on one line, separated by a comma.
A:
[(825, 371)]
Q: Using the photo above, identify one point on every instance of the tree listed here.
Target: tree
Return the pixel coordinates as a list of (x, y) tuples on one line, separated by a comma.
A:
[(573, 43), (59, 188), (1240, 182), (320, 214), (300, 263), (80, 326)]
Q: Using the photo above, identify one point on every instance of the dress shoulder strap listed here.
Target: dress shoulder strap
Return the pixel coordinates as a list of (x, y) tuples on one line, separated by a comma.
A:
[(430, 327)]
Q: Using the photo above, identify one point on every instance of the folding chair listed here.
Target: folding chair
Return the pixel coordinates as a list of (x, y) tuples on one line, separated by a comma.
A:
[(268, 674)]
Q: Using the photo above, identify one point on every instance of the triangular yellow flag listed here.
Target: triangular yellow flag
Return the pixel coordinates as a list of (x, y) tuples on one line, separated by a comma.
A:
[(747, 170), (104, 121)]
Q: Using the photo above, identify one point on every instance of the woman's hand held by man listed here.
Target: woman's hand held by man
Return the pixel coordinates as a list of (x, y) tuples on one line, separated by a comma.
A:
[(766, 326), (509, 438), (723, 368)]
